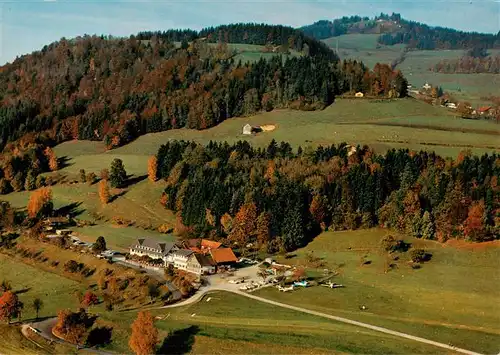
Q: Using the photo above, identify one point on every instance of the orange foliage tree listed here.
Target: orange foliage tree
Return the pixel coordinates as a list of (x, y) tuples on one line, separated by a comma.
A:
[(51, 156), (104, 194), (72, 326), (144, 334), (473, 226), (40, 203), (10, 306), (152, 168), (244, 223)]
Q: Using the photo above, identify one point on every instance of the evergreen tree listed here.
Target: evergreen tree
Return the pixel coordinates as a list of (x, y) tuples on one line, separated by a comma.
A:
[(117, 175), (30, 183)]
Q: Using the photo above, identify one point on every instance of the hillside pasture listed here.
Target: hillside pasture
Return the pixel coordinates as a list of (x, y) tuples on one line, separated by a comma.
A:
[(416, 66), (350, 120), (437, 301), (227, 323), (56, 292)]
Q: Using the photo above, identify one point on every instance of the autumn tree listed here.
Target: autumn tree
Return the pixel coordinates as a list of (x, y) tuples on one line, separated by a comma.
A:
[(72, 326), (51, 157), (318, 210), (89, 299), (474, 226), (104, 174), (153, 168), (37, 306), (40, 203), (104, 194), (117, 175), (10, 306), (244, 223), (99, 245), (144, 336), (226, 222), (91, 178), (262, 231)]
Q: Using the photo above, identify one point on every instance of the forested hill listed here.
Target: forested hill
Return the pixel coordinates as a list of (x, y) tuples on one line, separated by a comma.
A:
[(114, 90), (260, 34), (395, 30)]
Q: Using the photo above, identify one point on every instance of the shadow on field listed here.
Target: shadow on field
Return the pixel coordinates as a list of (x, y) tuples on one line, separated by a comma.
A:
[(99, 336), (71, 209), (132, 180), (179, 342), (115, 196), (24, 290), (63, 162)]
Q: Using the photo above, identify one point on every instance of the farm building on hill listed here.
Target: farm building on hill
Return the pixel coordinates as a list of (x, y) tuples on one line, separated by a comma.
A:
[(247, 129)]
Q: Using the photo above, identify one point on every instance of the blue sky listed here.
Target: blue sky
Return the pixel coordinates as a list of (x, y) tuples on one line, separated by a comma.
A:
[(27, 25)]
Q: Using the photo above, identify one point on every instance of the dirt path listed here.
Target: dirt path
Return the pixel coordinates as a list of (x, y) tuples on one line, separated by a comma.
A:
[(197, 297)]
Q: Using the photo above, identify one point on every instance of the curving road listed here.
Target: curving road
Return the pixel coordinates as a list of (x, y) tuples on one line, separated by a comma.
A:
[(198, 296)]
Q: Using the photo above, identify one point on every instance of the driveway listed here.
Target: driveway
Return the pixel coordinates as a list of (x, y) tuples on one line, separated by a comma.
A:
[(45, 328)]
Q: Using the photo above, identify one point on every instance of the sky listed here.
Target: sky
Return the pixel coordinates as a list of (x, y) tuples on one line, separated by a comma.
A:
[(28, 25)]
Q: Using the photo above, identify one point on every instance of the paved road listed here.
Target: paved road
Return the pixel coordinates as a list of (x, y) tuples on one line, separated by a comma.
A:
[(207, 289), (45, 328)]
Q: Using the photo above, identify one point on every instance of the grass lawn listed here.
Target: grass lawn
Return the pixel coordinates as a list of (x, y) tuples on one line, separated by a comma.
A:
[(227, 323), (354, 121), (453, 298), (55, 291), (13, 342), (464, 87)]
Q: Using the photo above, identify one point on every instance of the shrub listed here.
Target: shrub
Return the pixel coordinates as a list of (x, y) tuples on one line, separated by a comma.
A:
[(419, 255), (73, 266)]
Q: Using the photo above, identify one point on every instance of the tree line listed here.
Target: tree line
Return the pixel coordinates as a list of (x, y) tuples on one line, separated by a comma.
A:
[(421, 36), (248, 33), (113, 90), (280, 199), (469, 65), (394, 29)]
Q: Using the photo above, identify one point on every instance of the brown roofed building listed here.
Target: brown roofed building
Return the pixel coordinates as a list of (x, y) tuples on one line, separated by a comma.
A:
[(223, 256), (202, 246)]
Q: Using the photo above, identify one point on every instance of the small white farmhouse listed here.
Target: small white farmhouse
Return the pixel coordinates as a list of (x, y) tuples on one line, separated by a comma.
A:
[(247, 129)]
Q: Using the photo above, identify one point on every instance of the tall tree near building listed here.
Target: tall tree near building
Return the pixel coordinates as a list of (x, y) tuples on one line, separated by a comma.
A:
[(144, 336), (244, 223), (40, 203)]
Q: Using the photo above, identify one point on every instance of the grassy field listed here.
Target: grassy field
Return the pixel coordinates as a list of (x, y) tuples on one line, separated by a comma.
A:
[(452, 298), (464, 87), (353, 121), (227, 323), (55, 291)]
